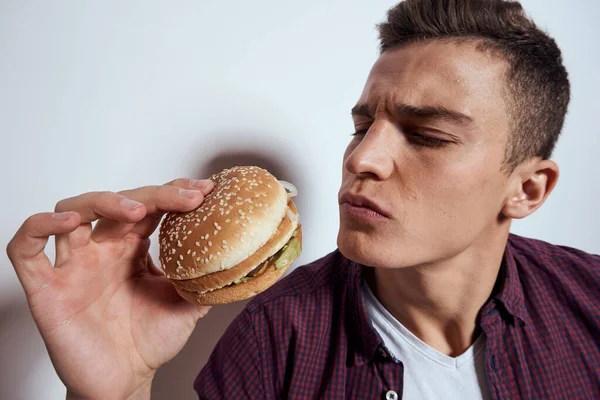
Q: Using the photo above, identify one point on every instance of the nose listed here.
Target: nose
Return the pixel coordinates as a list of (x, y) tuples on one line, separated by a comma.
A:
[(373, 156)]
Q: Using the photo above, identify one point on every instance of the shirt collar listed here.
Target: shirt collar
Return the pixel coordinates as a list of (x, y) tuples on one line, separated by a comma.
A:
[(509, 290), (363, 340)]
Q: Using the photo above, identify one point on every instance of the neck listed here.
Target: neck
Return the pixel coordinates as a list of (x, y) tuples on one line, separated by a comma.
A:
[(440, 302)]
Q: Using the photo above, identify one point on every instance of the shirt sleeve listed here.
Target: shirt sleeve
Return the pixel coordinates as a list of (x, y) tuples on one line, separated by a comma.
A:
[(233, 370)]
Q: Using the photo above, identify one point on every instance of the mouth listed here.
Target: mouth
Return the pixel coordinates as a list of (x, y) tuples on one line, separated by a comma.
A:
[(362, 207)]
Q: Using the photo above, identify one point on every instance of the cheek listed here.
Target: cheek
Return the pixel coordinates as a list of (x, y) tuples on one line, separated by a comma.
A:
[(471, 188)]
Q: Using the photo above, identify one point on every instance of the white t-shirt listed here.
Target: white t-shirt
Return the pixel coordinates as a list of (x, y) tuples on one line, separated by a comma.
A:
[(428, 373)]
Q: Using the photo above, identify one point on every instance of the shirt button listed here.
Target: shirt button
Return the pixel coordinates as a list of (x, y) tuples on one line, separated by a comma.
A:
[(391, 395)]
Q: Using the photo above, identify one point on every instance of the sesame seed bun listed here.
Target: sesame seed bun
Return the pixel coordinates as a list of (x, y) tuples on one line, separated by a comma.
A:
[(245, 220), (236, 218)]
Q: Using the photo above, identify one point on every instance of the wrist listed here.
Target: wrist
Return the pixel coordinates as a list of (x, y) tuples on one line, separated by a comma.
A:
[(142, 392)]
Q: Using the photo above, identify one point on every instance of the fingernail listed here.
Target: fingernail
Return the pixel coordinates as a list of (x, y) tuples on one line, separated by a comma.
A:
[(189, 194), (130, 204), (62, 216), (201, 184)]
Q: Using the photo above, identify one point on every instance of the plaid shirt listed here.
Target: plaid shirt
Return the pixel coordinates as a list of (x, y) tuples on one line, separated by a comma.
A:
[(309, 336)]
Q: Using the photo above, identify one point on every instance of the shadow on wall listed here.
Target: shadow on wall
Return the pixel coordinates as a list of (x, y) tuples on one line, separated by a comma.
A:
[(22, 351), (175, 379)]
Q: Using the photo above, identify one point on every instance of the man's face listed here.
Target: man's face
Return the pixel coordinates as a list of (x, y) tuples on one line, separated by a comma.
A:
[(433, 125)]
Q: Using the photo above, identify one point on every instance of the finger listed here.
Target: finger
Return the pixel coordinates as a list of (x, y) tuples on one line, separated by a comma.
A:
[(176, 195), (146, 227), (203, 184), (26, 249), (93, 206), (157, 200)]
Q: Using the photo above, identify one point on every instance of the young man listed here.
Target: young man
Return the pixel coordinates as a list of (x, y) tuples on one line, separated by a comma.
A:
[(428, 296)]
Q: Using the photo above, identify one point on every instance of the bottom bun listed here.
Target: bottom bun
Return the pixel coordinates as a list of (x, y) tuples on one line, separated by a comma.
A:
[(238, 292)]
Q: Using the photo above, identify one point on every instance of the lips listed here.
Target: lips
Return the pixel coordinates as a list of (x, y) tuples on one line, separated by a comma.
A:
[(364, 202)]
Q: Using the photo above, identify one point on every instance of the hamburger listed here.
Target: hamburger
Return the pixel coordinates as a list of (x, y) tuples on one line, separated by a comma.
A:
[(238, 243)]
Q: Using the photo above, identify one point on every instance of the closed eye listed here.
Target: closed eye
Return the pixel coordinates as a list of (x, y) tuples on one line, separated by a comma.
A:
[(428, 141), (417, 138), (360, 132)]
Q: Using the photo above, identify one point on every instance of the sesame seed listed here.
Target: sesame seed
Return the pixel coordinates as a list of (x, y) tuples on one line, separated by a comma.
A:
[(197, 244), (205, 248), (189, 252), (198, 259), (193, 254), (184, 238), (215, 232), (181, 257), (189, 232), (209, 243), (218, 253), (204, 218), (224, 241), (228, 220), (179, 244), (244, 225)]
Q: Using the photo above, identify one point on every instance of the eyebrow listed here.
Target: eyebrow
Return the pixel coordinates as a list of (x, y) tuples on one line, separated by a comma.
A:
[(425, 112)]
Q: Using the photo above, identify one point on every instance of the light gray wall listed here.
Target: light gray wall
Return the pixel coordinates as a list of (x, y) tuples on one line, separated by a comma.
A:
[(108, 95)]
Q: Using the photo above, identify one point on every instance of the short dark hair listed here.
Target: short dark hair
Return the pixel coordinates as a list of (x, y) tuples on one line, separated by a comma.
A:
[(537, 81)]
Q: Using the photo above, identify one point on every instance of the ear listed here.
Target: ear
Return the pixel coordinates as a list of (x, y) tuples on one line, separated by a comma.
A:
[(533, 182)]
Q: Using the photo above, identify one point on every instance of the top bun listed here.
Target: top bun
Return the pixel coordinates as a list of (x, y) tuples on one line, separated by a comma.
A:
[(236, 219)]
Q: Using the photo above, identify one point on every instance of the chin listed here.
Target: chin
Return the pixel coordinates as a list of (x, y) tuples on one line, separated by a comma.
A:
[(362, 248), (381, 250)]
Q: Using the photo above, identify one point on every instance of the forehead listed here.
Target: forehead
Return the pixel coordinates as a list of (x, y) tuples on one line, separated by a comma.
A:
[(448, 74)]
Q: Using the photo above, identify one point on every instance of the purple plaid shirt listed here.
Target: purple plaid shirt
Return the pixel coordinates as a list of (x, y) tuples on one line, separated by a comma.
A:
[(309, 336)]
